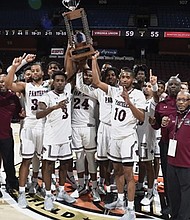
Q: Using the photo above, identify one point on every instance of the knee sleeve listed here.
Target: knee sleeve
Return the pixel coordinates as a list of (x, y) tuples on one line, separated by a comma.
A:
[(92, 167), (80, 162)]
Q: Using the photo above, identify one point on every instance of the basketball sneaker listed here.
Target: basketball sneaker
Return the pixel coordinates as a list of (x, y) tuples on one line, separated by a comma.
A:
[(101, 189), (81, 190), (129, 215), (22, 202), (118, 204), (48, 202), (72, 181), (63, 196), (148, 198), (95, 195)]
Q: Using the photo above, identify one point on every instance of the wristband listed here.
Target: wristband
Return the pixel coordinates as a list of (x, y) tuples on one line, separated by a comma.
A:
[(155, 87)]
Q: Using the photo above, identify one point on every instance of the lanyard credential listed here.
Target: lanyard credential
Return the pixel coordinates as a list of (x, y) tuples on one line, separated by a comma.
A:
[(179, 124)]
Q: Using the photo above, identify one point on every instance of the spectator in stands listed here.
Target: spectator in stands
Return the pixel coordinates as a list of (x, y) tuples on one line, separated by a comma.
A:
[(178, 169)]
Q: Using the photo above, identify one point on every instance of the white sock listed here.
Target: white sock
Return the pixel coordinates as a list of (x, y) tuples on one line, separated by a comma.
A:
[(21, 188), (131, 204), (121, 196), (48, 192)]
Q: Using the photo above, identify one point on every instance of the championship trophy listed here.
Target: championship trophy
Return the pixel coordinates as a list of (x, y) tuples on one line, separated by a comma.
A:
[(79, 41)]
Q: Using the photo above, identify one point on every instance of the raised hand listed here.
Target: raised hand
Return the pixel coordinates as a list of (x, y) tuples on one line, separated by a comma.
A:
[(29, 57), (153, 79), (96, 55), (125, 96), (17, 61)]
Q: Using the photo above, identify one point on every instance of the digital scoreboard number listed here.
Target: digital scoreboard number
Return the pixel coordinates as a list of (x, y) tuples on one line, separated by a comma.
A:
[(144, 34)]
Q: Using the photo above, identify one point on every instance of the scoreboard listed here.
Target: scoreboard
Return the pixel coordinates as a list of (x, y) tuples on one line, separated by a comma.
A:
[(144, 33), (128, 33)]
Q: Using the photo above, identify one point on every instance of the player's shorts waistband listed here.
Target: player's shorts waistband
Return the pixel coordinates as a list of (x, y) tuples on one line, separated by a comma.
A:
[(90, 125), (106, 123)]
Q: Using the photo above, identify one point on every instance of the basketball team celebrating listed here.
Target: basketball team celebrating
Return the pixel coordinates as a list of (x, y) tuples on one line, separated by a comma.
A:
[(104, 121)]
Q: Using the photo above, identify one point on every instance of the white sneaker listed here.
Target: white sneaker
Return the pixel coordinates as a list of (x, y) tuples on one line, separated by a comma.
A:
[(63, 196), (22, 202), (95, 195), (81, 190), (147, 199), (129, 215), (48, 202), (118, 204)]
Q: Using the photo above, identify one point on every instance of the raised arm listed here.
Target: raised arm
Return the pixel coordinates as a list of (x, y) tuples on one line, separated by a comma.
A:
[(153, 81), (9, 79), (25, 59), (69, 65), (95, 75)]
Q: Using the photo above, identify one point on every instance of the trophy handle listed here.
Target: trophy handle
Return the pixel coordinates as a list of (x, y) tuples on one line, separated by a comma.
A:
[(72, 7)]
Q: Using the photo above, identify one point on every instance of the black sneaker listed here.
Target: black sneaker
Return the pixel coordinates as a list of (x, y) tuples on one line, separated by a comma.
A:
[(72, 181)]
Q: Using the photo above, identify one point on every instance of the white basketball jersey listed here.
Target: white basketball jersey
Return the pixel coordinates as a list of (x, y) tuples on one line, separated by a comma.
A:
[(33, 95), (122, 120), (146, 134), (83, 110), (105, 101), (58, 123)]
